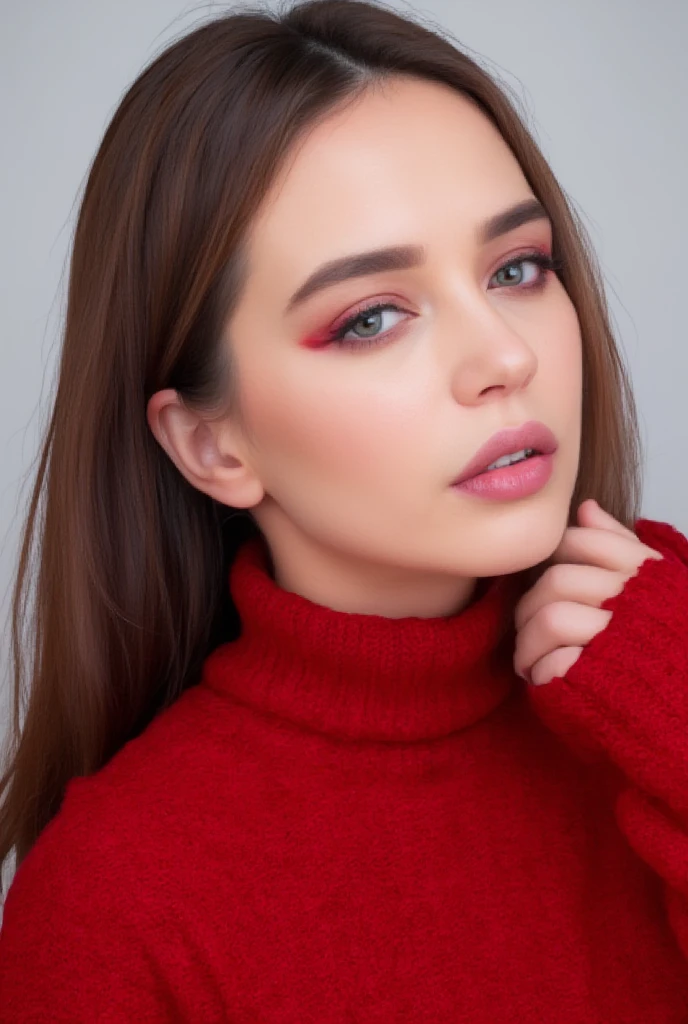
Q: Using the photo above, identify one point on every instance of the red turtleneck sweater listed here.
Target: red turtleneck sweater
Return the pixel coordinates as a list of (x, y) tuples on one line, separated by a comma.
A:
[(359, 819)]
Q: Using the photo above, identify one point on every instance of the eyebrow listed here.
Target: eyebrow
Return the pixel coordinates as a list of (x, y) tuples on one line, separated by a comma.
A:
[(405, 257)]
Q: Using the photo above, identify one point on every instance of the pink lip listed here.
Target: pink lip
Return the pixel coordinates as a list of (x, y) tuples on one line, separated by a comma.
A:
[(510, 482), (532, 434)]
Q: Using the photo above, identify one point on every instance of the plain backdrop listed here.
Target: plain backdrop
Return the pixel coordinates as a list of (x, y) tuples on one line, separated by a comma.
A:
[(603, 85)]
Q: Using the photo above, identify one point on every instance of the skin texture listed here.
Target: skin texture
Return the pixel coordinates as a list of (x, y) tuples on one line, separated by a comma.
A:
[(346, 456)]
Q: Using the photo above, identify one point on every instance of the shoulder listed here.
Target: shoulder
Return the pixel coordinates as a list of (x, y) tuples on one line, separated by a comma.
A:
[(116, 829), (102, 905)]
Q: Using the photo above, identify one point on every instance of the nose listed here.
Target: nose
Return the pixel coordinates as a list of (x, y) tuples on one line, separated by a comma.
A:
[(491, 357)]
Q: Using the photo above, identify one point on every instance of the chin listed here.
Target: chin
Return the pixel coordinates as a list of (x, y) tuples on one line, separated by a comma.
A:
[(523, 549)]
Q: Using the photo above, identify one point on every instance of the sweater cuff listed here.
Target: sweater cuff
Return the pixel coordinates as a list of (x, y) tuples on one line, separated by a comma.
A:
[(626, 697)]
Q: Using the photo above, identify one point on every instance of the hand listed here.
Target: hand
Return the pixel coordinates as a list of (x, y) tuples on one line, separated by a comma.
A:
[(557, 617)]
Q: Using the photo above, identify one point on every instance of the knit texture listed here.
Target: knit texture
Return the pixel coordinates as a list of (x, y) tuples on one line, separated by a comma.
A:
[(359, 819)]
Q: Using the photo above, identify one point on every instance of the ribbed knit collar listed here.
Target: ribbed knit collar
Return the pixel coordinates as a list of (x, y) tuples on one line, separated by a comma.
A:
[(363, 676)]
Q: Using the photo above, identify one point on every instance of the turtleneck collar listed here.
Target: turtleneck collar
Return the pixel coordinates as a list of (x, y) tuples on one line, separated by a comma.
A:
[(363, 676)]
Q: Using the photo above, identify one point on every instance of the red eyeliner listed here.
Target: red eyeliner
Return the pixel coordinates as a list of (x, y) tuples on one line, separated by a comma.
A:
[(322, 339), (314, 341)]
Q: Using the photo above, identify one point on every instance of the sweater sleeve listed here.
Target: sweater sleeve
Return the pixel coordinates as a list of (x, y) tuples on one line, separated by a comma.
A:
[(75, 942), (625, 702)]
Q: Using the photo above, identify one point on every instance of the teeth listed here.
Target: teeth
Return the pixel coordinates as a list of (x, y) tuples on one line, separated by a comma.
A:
[(507, 460)]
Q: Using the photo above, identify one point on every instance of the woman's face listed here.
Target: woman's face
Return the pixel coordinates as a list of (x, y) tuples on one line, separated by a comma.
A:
[(351, 451)]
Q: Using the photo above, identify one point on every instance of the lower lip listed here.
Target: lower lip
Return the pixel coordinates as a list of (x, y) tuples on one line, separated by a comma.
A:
[(510, 482)]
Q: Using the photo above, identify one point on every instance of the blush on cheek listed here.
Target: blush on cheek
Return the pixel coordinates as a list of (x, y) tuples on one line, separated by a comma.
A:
[(334, 434)]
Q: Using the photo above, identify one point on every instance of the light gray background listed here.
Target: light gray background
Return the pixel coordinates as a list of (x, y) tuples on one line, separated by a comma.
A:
[(603, 84)]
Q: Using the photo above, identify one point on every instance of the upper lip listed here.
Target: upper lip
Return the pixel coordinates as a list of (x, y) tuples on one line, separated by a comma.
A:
[(532, 434)]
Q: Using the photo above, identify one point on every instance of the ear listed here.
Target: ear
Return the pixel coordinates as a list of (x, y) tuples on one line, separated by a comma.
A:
[(205, 452)]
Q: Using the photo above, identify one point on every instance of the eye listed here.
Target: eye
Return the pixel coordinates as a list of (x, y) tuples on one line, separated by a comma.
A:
[(540, 260), (370, 318), (513, 273)]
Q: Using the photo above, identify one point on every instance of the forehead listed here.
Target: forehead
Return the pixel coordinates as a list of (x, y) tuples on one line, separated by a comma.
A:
[(406, 158)]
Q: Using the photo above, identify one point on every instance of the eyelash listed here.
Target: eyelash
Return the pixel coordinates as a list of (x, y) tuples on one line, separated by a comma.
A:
[(540, 259)]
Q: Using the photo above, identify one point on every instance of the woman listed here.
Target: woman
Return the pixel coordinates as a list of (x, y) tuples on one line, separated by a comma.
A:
[(314, 731)]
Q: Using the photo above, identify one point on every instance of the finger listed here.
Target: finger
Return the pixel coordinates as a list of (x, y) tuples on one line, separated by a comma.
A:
[(604, 548), (557, 663), (563, 624), (583, 584), (593, 514)]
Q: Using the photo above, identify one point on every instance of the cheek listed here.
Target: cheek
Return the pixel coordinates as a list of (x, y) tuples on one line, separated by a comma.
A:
[(562, 367), (561, 351), (316, 426), (349, 434)]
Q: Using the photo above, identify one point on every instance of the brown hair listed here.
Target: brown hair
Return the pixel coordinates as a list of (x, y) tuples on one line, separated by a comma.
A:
[(132, 566)]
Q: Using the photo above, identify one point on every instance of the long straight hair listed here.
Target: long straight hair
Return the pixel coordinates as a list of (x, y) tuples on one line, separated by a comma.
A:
[(130, 561)]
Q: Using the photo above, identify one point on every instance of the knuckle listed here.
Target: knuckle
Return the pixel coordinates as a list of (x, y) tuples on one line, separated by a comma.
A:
[(557, 578), (553, 619)]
